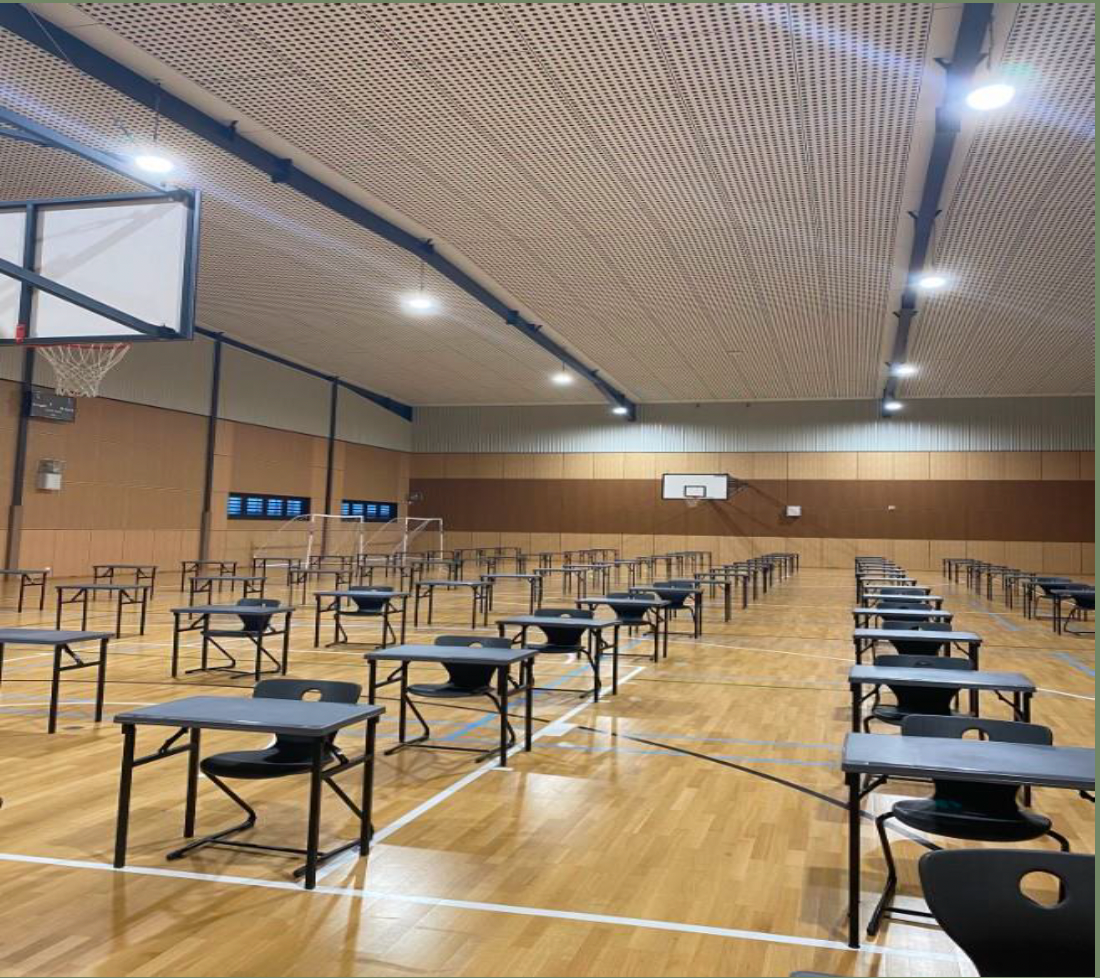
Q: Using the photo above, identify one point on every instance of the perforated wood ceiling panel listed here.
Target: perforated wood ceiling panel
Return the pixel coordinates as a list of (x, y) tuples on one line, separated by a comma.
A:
[(276, 269), (660, 183)]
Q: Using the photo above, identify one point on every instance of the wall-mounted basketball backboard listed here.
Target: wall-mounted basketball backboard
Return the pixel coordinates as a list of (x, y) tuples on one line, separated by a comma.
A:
[(692, 486), (92, 270)]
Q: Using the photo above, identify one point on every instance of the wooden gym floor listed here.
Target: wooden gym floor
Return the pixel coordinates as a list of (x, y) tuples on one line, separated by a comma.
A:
[(662, 832)]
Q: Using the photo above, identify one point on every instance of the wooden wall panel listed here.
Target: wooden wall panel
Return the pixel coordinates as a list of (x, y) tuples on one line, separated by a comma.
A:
[(912, 466), (1061, 465)]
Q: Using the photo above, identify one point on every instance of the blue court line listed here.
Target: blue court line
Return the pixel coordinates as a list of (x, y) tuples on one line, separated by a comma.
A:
[(1069, 659), (1004, 622)]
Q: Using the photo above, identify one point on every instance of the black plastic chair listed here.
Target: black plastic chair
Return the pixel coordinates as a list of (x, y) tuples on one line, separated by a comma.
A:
[(676, 592), (368, 606), (1045, 588), (464, 680), (975, 896), (921, 648), (254, 628), (286, 757), (976, 811), (562, 640), (914, 700), (1084, 604)]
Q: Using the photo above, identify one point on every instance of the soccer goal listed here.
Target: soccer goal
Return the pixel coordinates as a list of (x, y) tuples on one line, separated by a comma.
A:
[(406, 534), (304, 539)]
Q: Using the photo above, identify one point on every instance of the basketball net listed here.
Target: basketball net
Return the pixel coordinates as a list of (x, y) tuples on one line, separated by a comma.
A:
[(79, 368), (692, 501)]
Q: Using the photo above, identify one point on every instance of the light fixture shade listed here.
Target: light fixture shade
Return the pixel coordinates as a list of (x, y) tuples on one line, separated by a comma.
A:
[(892, 406), (153, 163), (562, 378), (903, 369), (992, 96), (620, 409)]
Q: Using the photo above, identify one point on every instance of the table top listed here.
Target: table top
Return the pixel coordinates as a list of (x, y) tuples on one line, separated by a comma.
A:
[(451, 583), (339, 571), (659, 588), (451, 653), (19, 570), (914, 598), (46, 636), (1012, 682), (305, 718), (228, 577), (912, 614), (361, 593), (904, 634), (101, 587), (899, 588), (578, 623), (525, 577), (625, 602), (126, 566), (953, 759), (201, 563), (233, 609)]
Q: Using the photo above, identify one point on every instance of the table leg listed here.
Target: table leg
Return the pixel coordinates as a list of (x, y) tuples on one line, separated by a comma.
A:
[(857, 698), (502, 699), (84, 614), (118, 614), (402, 715), (313, 831), (317, 621), (529, 701), (366, 803), (55, 689), (615, 660), (286, 644), (22, 588), (192, 783), (853, 859), (126, 778), (100, 680), (145, 593)]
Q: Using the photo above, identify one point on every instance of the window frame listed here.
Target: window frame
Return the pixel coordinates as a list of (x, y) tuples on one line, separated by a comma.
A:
[(267, 498)]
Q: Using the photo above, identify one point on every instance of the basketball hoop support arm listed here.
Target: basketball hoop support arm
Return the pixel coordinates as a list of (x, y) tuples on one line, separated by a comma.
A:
[(33, 279)]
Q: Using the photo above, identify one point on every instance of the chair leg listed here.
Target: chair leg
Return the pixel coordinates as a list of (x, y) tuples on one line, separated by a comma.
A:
[(883, 905), (224, 833)]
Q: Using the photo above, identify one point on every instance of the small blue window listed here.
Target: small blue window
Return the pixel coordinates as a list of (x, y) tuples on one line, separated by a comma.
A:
[(265, 506)]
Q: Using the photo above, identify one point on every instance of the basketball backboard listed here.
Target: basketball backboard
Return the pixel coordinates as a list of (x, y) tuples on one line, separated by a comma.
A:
[(98, 269), (694, 486)]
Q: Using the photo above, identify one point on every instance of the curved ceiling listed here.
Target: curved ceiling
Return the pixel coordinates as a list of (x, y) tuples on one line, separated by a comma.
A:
[(704, 201)]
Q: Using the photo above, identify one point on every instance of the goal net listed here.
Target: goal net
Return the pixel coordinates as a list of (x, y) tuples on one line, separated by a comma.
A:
[(312, 536), (406, 534)]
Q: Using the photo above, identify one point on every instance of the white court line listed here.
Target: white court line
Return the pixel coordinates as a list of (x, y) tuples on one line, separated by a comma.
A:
[(461, 783), (1062, 692), (804, 655), (428, 901)]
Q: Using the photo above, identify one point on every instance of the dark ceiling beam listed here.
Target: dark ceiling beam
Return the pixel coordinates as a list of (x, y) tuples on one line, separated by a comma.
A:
[(973, 27), (17, 19)]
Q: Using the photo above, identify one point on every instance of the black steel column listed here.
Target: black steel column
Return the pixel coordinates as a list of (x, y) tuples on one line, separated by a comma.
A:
[(22, 431), (211, 438), (334, 399)]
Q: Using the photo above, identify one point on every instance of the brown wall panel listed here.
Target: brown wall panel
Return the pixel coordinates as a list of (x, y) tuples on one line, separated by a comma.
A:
[(995, 510)]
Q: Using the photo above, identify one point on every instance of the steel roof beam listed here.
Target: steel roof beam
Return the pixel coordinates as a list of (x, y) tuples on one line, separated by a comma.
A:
[(17, 19), (967, 55)]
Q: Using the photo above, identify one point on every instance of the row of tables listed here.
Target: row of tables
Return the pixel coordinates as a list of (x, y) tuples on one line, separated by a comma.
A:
[(317, 721), (869, 759)]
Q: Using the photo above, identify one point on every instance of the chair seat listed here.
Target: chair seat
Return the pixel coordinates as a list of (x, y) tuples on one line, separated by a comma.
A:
[(930, 815), (447, 690), (253, 764), (362, 613), (888, 713)]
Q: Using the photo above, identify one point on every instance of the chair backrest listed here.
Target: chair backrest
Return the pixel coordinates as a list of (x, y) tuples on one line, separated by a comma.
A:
[(370, 603), (473, 641), (976, 896), (471, 675), (994, 800), (1006, 731), (1086, 600), (256, 623), (919, 648), (288, 747), (564, 613), (923, 661), (1051, 584), (675, 593), (629, 612), (929, 700)]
